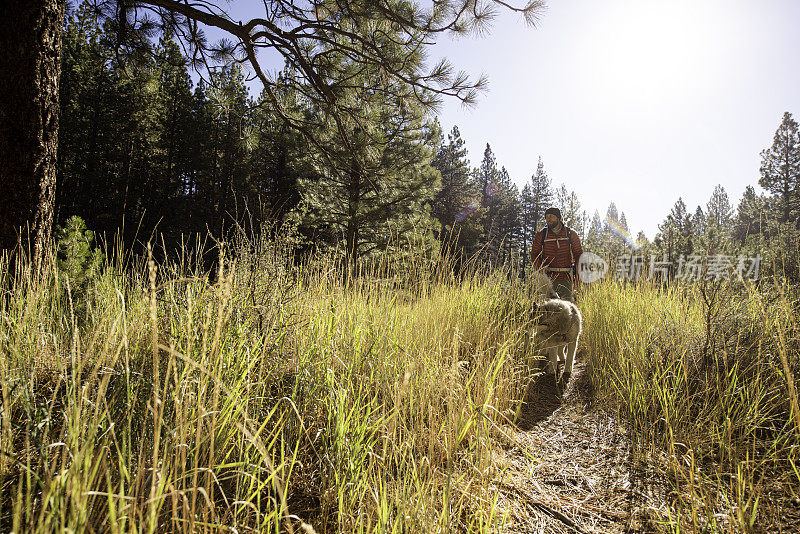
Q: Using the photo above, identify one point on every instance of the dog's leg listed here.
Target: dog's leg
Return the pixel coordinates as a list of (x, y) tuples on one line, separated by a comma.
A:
[(570, 348), (552, 365)]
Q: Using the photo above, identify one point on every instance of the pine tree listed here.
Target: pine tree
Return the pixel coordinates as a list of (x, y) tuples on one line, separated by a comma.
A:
[(641, 241), (718, 220), (133, 187), (571, 213), (30, 67), (594, 234), (377, 183), (527, 224), (699, 221), (455, 205), (229, 177), (507, 206), (613, 238), (86, 127), (111, 166), (198, 183), (750, 215), (674, 237), (486, 177), (780, 166), (718, 209), (536, 197), (623, 222), (172, 158), (500, 211), (279, 156)]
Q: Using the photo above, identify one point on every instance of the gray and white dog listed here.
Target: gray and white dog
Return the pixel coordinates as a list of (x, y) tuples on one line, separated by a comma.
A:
[(557, 326)]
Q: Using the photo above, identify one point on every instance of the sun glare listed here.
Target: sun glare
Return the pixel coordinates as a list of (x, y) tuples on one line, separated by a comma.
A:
[(646, 52)]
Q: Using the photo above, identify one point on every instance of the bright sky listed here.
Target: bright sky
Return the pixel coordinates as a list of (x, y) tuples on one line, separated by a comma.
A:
[(634, 101), (638, 102)]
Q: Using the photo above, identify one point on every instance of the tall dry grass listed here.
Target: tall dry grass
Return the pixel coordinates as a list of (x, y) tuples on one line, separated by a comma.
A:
[(279, 397), (703, 374), (276, 398)]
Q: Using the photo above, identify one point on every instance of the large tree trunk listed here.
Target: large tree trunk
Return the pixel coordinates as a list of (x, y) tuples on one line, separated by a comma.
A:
[(351, 231), (30, 67)]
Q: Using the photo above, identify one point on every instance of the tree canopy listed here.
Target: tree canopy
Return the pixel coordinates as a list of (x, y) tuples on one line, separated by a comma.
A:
[(330, 44)]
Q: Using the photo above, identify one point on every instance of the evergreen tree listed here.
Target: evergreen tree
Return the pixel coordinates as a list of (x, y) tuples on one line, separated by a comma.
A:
[(87, 126), (541, 195), (197, 182), (279, 155), (613, 233), (486, 175), (110, 132), (30, 67), (699, 221), (612, 213), (228, 179), (140, 147), (718, 220), (377, 184), (171, 159), (500, 211), (536, 197), (641, 240), (527, 225), (570, 206), (623, 222), (594, 235), (750, 215), (507, 206), (454, 205), (780, 166), (674, 236), (718, 209)]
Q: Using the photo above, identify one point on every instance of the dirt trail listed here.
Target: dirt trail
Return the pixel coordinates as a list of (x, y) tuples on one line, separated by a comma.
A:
[(586, 476)]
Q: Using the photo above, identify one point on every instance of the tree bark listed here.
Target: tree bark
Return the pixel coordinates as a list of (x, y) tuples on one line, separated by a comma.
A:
[(30, 68), (351, 237)]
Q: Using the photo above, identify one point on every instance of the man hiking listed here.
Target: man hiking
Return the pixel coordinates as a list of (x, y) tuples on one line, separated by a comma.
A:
[(556, 250)]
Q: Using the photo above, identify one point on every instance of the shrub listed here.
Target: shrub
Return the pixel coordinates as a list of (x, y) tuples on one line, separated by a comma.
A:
[(77, 261)]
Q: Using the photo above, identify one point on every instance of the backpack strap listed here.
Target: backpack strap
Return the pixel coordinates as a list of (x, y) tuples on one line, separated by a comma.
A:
[(569, 238)]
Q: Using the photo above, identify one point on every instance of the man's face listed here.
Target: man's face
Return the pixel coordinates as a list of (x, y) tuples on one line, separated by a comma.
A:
[(551, 220)]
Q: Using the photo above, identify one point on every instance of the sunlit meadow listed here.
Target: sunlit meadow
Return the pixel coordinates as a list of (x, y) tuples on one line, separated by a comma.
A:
[(277, 396)]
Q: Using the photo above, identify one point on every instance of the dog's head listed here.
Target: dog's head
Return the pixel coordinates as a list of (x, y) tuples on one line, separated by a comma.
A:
[(549, 310), (538, 313)]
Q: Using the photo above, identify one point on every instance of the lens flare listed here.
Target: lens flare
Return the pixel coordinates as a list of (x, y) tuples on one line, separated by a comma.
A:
[(618, 230), (467, 211)]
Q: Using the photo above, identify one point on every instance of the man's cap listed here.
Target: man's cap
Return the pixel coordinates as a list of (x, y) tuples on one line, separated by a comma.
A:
[(553, 211)]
